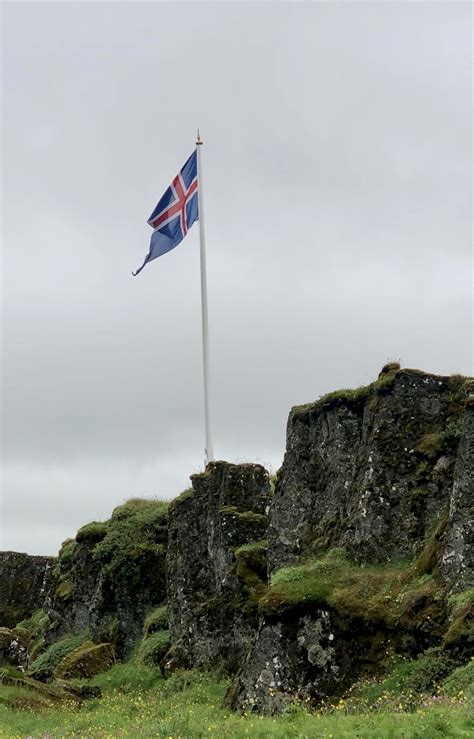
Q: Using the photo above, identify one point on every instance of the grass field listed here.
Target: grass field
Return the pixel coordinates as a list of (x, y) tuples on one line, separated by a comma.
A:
[(137, 702)]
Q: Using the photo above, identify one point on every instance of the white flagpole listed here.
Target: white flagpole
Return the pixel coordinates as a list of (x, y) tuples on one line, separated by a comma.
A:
[(208, 453)]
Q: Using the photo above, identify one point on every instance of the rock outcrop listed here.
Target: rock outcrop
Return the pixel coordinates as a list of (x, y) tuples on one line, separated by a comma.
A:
[(458, 557), (25, 582), (363, 553), (111, 576), (370, 470), (215, 565), (370, 531)]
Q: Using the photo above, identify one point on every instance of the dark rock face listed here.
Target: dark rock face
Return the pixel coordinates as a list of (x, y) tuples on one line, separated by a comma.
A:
[(369, 470), (211, 614), (290, 659), (25, 582), (384, 472), (458, 558)]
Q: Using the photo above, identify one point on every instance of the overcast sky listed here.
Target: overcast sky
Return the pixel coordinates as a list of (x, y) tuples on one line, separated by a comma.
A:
[(337, 177)]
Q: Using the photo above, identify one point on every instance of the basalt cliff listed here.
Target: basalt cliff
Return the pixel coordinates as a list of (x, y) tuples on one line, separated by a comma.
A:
[(358, 551)]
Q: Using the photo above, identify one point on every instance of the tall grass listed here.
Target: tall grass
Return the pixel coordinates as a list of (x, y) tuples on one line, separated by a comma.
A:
[(137, 702)]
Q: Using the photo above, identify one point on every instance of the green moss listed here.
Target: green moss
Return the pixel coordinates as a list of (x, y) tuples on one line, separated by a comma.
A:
[(460, 634), (256, 549), (136, 529), (312, 582), (430, 445), (185, 495), (64, 588), (37, 622), (353, 396), (429, 556), (153, 649), (251, 568), (93, 531), (247, 516), (44, 666), (86, 660), (157, 620), (390, 595), (67, 550), (461, 600)]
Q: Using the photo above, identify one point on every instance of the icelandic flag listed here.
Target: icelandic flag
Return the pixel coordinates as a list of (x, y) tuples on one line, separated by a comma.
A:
[(175, 213)]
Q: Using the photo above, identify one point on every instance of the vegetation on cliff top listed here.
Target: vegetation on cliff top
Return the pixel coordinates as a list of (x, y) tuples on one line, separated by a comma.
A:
[(131, 532), (456, 384)]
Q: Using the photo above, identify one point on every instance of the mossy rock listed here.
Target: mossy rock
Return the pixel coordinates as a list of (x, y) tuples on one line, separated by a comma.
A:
[(51, 692), (86, 661), (389, 367), (185, 495), (32, 694), (153, 649), (43, 667), (93, 531), (64, 589), (21, 634), (5, 637), (157, 620)]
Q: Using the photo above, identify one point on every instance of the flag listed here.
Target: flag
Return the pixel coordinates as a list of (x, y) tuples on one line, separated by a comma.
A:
[(175, 213)]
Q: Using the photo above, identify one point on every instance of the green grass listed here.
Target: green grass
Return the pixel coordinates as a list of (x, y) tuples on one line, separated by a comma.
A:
[(460, 682), (157, 620), (154, 648), (137, 702), (382, 594)]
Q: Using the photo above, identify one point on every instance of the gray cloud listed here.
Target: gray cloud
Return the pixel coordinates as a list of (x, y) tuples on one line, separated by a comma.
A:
[(338, 216)]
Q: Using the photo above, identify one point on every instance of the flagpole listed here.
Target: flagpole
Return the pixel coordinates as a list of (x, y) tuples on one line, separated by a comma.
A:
[(208, 452)]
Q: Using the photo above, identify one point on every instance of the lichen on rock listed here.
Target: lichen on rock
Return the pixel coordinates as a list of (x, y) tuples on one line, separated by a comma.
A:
[(211, 611)]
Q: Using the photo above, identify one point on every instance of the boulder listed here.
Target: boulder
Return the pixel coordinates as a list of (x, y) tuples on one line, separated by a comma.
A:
[(86, 661)]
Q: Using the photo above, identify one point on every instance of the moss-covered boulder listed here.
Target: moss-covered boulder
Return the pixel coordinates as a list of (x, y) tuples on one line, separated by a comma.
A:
[(86, 661), (44, 665), (370, 534), (111, 575)]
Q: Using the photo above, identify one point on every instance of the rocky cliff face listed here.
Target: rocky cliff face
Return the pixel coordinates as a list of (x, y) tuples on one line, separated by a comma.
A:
[(370, 470), (25, 581), (458, 557), (370, 530), (216, 565), (363, 553)]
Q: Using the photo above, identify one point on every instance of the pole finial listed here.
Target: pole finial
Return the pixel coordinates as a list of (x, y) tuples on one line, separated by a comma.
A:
[(198, 139)]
